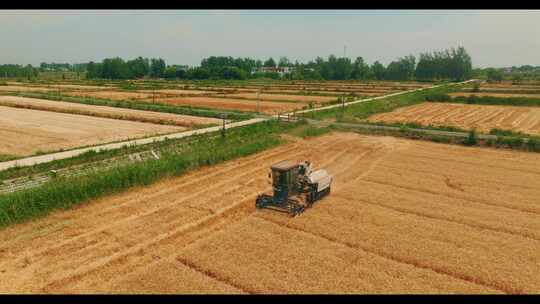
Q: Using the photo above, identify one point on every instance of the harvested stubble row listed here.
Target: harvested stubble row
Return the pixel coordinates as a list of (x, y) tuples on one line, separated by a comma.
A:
[(16, 88), (112, 95), (283, 97), (269, 107), (26, 131), (389, 226), (482, 117), (106, 112), (180, 92), (80, 87)]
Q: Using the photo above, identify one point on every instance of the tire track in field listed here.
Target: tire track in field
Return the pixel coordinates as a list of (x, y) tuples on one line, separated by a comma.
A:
[(423, 158), (489, 180), (532, 211), (395, 258), (477, 226), (97, 265), (216, 276)]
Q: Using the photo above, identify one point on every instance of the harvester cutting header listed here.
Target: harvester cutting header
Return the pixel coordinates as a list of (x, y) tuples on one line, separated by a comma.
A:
[(295, 187)]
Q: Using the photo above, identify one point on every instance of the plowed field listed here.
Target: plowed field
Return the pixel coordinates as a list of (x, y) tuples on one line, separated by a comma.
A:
[(16, 88), (284, 97), (24, 132), (113, 95), (269, 107), (403, 217), (482, 117), (178, 92)]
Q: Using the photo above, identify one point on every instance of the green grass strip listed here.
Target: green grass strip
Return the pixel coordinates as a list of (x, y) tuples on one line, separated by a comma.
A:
[(359, 111), (486, 100)]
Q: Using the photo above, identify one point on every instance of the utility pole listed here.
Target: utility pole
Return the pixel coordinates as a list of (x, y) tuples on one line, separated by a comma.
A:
[(223, 116), (344, 51), (258, 100)]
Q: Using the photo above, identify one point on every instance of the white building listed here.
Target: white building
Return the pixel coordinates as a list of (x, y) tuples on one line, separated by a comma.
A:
[(280, 70)]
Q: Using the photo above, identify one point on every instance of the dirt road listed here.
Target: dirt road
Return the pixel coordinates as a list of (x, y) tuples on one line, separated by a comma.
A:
[(403, 216)]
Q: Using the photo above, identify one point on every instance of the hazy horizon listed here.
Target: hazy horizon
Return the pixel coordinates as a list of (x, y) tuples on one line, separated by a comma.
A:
[(493, 38)]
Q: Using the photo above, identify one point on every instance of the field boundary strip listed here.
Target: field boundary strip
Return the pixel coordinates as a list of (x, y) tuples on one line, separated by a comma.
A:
[(34, 160), (376, 98)]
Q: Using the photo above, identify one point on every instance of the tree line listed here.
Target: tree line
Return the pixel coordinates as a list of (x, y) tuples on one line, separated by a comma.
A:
[(117, 68), (15, 70), (516, 74), (449, 64)]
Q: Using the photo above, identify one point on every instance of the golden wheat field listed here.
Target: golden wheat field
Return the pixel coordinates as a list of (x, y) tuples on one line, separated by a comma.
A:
[(481, 117), (27, 131), (403, 217)]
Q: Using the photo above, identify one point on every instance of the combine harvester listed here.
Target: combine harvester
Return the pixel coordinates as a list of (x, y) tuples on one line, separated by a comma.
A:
[(295, 186)]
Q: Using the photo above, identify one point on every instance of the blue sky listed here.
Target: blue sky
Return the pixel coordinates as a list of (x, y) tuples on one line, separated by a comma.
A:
[(493, 38)]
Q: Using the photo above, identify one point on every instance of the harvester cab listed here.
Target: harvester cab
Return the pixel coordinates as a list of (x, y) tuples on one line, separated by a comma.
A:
[(295, 187)]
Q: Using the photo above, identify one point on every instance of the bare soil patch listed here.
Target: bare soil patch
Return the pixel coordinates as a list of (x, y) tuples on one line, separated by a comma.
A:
[(283, 97), (112, 95), (268, 107), (80, 87), (16, 88), (178, 92)]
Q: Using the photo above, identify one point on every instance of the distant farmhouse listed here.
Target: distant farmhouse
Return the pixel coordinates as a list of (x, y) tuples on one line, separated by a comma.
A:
[(280, 70)]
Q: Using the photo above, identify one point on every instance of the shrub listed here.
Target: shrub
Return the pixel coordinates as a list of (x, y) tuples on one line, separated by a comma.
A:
[(491, 100), (533, 145), (512, 142), (472, 139), (437, 97)]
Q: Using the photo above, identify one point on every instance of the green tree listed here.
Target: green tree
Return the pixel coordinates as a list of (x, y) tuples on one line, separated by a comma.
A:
[(494, 74), (379, 70), (360, 69), (170, 72), (157, 67), (403, 69), (284, 62), (115, 68), (139, 67), (270, 63)]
